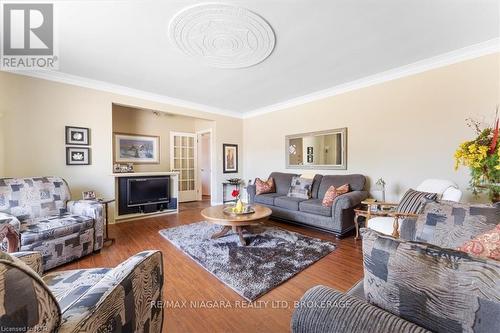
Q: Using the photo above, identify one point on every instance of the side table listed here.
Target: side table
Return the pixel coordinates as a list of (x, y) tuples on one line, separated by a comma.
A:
[(107, 239), (364, 211)]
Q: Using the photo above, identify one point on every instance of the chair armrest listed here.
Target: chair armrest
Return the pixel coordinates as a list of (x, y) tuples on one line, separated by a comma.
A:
[(32, 259), (95, 210), (251, 191), (349, 200), (10, 228), (323, 309), (128, 297)]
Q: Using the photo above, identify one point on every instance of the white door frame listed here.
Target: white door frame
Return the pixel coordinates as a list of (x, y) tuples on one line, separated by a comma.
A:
[(213, 189), (195, 158)]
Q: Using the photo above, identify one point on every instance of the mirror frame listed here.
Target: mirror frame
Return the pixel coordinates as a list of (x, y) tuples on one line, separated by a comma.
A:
[(343, 166)]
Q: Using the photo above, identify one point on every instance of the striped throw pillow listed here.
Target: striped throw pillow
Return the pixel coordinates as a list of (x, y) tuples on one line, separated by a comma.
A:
[(413, 201)]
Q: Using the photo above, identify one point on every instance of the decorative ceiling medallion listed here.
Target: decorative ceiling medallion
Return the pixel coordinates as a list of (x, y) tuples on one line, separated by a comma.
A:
[(223, 36)]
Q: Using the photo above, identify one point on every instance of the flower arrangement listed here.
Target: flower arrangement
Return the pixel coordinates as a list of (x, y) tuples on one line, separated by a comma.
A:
[(482, 157), (238, 208)]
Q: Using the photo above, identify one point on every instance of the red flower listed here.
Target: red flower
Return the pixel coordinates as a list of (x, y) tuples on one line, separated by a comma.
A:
[(235, 193)]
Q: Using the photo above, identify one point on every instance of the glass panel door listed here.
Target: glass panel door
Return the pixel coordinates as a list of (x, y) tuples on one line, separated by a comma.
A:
[(183, 160)]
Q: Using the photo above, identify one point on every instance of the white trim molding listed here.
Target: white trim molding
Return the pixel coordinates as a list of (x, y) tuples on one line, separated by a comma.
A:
[(466, 53)]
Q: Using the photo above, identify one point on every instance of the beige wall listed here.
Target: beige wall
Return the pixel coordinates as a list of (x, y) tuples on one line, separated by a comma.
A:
[(404, 130), (35, 112)]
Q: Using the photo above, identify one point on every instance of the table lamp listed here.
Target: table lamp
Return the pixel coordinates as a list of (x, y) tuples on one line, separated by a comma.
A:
[(380, 187)]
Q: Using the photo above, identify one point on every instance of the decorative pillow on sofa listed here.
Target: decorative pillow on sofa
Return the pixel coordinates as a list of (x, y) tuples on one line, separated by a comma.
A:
[(334, 192), (450, 224), (300, 188), (442, 290), (262, 187), (485, 245), (413, 201)]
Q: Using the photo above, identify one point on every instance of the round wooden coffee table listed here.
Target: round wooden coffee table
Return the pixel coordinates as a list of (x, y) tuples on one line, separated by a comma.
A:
[(237, 223)]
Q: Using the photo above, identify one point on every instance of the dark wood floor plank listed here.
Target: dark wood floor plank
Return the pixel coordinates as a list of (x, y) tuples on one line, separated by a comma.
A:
[(186, 281)]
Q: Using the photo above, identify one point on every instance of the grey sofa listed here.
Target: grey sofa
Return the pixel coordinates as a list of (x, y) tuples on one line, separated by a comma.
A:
[(425, 283), (339, 219)]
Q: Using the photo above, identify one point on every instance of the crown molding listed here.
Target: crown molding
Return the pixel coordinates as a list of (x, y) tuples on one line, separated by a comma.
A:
[(445, 59), (125, 91), (466, 53)]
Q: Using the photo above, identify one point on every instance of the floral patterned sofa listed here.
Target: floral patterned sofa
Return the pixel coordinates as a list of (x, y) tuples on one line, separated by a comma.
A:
[(39, 211), (127, 298)]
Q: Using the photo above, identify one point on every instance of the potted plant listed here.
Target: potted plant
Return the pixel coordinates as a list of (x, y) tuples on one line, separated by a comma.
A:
[(482, 156)]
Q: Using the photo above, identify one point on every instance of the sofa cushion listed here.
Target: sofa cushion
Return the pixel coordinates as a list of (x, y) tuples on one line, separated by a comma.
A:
[(29, 198), (450, 224), (314, 206), (262, 187), (414, 201), (52, 227), (282, 181), (267, 198), (332, 194), (300, 188), (486, 245), (70, 286), (315, 186), (356, 183), (442, 290), (288, 202)]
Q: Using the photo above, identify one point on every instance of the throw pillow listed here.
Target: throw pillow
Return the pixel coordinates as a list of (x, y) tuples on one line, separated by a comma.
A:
[(300, 188), (262, 187), (486, 245), (450, 224), (442, 290), (332, 193), (413, 201)]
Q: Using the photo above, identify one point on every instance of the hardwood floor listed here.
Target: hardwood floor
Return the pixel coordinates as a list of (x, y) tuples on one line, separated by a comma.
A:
[(191, 290)]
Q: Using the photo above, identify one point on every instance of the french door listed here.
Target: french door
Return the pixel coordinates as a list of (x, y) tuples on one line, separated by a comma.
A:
[(183, 160)]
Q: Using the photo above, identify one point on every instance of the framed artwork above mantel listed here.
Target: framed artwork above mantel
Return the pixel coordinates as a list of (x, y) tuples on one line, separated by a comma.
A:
[(136, 148)]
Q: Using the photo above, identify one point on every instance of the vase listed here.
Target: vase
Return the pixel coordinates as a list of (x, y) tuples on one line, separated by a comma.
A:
[(239, 206)]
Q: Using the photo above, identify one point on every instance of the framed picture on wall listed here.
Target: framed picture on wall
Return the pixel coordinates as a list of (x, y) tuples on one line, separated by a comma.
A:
[(77, 156), (135, 148), (230, 162), (77, 136)]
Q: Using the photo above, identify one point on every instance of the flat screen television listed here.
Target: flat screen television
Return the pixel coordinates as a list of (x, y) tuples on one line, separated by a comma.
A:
[(148, 190)]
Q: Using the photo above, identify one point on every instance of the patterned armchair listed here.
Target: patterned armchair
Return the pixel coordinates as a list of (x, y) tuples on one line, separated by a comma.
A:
[(40, 213), (127, 298)]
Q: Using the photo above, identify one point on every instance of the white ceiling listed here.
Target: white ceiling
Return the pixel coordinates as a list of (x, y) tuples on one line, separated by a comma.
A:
[(319, 44)]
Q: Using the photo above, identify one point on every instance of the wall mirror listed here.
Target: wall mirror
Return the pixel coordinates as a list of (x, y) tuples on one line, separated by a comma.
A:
[(317, 150)]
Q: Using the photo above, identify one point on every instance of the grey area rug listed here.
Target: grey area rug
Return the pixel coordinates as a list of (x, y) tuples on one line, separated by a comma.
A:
[(272, 256)]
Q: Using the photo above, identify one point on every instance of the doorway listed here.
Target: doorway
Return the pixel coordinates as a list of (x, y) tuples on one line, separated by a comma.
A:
[(204, 139), (183, 152)]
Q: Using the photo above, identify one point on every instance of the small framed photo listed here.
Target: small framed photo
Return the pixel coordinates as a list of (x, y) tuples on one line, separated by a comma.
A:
[(77, 136), (77, 156), (310, 150), (230, 163), (88, 195)]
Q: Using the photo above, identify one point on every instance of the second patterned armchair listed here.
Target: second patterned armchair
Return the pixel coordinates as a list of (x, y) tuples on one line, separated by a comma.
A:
[(126, 298), (39, 211)]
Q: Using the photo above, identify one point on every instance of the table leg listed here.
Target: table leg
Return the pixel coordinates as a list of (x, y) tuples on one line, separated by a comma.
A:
[(239, 230), (107, 239), (356, 225), (221, 233)]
